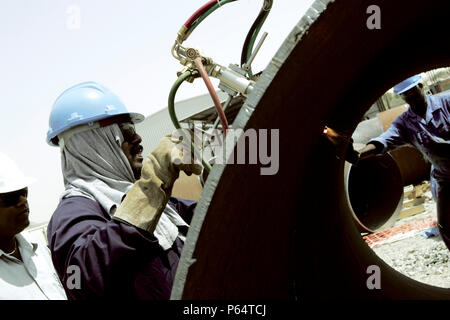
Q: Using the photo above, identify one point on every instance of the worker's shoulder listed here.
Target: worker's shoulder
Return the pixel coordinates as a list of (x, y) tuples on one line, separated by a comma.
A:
[(74, 204)]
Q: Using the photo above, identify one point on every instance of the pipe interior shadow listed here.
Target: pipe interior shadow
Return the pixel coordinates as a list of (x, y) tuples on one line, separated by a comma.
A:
[(375, 192)]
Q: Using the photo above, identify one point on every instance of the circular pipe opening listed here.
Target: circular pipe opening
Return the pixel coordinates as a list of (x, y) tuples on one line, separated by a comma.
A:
[(374, 190)]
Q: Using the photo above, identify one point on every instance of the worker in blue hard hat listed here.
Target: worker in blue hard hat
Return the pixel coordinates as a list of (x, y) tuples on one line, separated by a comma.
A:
[(426, 126), (116, 225), (26, 269)]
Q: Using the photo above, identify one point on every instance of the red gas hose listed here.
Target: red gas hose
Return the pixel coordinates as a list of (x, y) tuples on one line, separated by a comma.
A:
[(212, 92), (199, 12)]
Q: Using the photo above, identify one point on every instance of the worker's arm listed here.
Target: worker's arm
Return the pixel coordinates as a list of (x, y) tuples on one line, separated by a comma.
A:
[(368, 151), (389, 140), (394, 137)]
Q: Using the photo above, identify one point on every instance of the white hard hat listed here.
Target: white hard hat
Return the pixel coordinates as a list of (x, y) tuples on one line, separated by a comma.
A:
[(11, 178)]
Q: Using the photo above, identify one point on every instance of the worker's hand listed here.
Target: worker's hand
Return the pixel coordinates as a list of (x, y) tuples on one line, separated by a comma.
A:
[(146, 200), (182, 154), (352, 155), (363, 152), (369, 150)]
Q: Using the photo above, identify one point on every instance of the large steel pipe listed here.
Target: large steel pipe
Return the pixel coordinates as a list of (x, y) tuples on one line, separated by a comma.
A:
[(374, 190), (291, 235)]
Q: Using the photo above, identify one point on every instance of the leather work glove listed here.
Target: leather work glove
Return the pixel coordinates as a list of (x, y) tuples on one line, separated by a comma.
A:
[(147, 198)]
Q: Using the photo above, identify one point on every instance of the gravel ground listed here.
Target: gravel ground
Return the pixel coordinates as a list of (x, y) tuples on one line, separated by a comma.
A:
[(423, 259)]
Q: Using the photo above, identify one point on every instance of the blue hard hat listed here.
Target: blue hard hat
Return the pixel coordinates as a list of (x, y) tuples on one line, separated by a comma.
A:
[(407, 84), (85, 103)]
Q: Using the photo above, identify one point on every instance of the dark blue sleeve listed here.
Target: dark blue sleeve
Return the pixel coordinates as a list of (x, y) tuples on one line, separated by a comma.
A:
[(184, 207), (393, 138), (105, 251), (444, 101)]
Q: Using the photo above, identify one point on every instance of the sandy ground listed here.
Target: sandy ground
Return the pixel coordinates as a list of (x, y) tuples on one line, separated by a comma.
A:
[(420, 258)]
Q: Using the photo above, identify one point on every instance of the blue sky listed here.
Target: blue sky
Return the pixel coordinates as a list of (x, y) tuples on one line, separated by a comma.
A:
[(124, 45)]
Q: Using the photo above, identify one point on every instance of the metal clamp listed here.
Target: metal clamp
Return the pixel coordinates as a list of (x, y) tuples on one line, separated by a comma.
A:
[(232, 80)]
